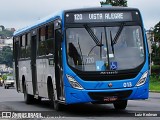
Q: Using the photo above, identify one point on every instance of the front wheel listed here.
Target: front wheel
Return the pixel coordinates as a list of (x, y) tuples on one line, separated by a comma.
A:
[(120, 105)]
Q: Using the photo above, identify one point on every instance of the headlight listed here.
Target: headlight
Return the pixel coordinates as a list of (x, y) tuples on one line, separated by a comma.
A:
[(74, 83), (142, 80)]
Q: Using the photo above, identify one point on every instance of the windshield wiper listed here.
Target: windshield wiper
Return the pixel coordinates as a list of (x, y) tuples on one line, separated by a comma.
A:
[(96, 46), (93, 36), (112, 45), (118, 33)]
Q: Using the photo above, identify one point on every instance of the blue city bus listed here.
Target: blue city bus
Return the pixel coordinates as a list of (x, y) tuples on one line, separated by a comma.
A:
[(88, 55)]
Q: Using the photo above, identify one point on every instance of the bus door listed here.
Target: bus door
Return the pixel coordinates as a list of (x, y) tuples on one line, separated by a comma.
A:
[(16, 58), (58, 61), (33, 61)]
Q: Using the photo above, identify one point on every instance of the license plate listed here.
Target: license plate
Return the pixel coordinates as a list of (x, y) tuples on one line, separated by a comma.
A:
[(110, 98)]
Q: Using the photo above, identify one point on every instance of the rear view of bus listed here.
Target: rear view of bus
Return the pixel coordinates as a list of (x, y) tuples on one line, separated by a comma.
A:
[(106, 58)]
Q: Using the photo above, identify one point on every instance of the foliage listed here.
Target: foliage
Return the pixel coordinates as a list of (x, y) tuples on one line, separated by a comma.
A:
[(154, 83), (157, 32), (156, 60), (156, 44), (115, 3), (155, 78), (155, 71), (4, 77), (6, 56), (6, 33)]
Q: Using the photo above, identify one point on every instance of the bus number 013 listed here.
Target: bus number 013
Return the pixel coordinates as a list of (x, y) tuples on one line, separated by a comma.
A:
[(127, 84)]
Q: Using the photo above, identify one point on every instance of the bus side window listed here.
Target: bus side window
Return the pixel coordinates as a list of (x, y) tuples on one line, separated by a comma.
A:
[(28, 45), (14, 48), (22, 45), (42, 44), (50, 39), (15, 51), (19, 47)]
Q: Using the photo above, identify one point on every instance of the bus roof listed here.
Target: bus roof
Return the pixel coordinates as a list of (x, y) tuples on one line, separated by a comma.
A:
[(60, 14), (39, 23)]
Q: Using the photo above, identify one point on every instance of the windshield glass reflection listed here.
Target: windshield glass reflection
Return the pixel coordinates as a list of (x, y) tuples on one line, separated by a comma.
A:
[(105, 48)]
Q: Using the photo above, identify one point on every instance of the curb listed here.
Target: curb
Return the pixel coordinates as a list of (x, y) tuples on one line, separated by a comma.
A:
[(155, 91)]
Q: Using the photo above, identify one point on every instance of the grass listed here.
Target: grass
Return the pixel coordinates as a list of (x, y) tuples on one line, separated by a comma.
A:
[(154, 84)]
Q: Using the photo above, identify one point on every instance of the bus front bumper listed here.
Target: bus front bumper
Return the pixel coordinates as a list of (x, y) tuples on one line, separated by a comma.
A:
[(74, 96)]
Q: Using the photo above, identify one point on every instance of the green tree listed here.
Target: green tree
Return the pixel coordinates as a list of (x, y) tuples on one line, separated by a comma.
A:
[(155, 54), (6, 56), (157, 32), (115, 3), (2, 27), (156, 44), (6, 33), (4, 77)]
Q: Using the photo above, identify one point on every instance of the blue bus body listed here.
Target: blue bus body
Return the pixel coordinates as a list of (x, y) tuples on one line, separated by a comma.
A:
[(105, 85)]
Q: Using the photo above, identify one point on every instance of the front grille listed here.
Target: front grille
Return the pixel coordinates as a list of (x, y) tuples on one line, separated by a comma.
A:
[(99, 96), (95, 76)]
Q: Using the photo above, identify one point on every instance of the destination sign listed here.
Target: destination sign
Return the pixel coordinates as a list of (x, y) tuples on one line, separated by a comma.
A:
[(98, 17)]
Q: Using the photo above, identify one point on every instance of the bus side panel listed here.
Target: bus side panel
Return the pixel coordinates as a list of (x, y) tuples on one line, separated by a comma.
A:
[(40, 77), (25, 71), (44, 71), (28, 77), (49, 72)]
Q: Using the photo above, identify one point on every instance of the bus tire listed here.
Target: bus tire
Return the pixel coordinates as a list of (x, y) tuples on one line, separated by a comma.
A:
[(58, 106), (120, 105), (27, 98)]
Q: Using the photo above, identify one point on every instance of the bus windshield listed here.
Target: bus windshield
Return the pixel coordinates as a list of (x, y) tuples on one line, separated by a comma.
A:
[(105, 48)]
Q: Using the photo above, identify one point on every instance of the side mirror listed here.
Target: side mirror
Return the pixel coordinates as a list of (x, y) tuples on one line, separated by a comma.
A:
[(58, 24), (58, 30)]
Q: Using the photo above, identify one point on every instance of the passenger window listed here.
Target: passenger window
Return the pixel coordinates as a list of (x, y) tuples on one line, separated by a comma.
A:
[(28, 45), (22, 45), (50, 39), (42, 44)]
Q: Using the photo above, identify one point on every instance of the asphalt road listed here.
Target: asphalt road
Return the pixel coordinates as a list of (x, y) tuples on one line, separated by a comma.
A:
[(10, 100)]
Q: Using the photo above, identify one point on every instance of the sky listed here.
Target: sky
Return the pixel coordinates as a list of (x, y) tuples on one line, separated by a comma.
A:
[(20, 13)]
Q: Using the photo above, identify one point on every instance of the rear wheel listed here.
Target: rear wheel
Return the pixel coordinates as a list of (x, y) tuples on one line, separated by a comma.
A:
[(120, 105), (27, 98)]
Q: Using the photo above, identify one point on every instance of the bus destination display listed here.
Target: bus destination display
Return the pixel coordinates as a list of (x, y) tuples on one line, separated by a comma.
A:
[(98, 17)]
